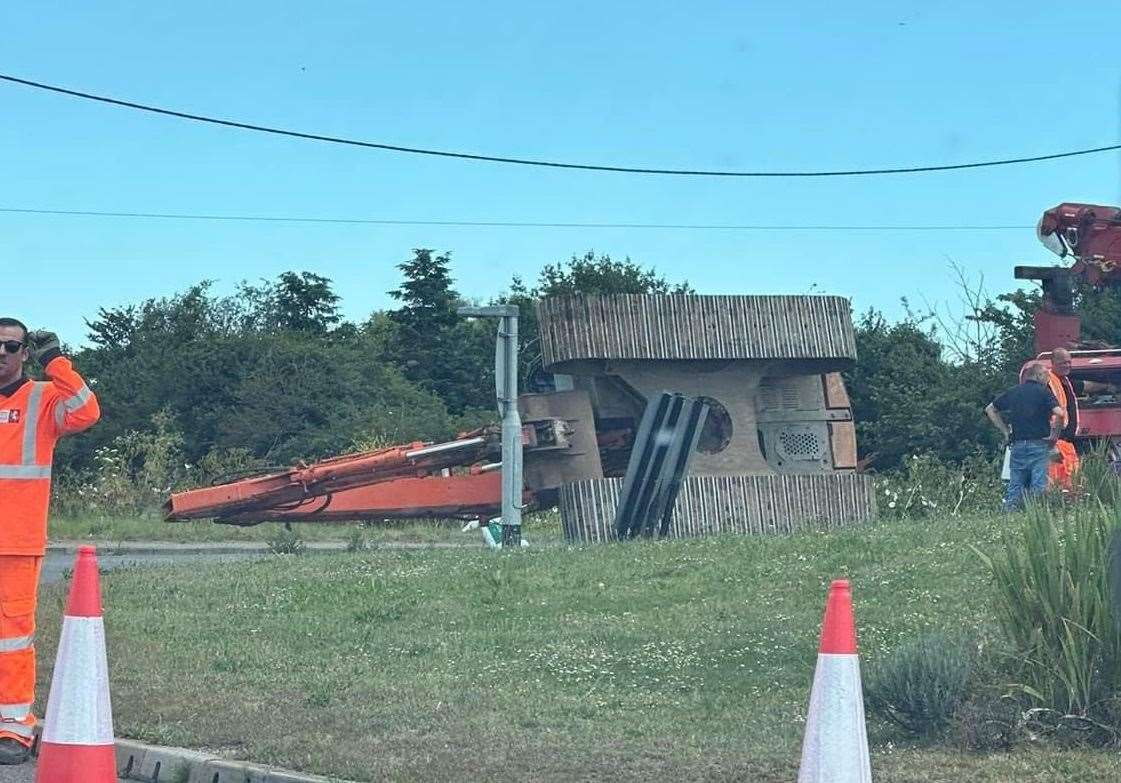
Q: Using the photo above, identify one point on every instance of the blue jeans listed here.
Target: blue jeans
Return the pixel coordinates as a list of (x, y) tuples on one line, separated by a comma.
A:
[(1027, 467)]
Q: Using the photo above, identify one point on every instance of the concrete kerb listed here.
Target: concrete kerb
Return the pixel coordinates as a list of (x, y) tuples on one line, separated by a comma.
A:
[(125, 548), (153, 764), (115, 548)]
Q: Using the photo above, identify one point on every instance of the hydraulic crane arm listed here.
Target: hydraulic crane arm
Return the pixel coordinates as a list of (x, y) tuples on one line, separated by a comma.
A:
[(1088, 233), (290, 492)]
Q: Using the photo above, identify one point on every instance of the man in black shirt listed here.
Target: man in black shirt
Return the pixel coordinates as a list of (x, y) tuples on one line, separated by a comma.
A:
[(1030, 418)]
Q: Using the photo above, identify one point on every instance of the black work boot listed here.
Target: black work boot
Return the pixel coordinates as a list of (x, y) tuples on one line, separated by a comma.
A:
[(13, 751)]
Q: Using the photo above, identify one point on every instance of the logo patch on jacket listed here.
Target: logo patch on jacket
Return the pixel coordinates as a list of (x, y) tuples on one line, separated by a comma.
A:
[(9, 416)]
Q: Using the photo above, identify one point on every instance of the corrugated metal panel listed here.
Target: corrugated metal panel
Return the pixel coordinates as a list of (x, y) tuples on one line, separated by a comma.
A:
[(663, 446), (709, 505), (695, 327)]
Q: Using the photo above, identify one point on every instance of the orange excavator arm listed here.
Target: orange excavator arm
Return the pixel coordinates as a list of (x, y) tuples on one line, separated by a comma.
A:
[(401, 481)]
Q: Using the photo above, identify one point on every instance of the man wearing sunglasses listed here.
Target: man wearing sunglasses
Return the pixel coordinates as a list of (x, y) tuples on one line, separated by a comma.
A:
[(33, 416)]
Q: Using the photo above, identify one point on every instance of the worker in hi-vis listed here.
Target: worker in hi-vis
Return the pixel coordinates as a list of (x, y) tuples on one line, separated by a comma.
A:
[(1065, 462), (33, 416)]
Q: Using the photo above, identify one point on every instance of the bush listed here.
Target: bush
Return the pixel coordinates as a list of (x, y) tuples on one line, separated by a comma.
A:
[(988, 723), (1096, 479), (1052, 601), (356, 541), (224, 464), (920, 685), (286, 541), (132, 475), (927, 486)]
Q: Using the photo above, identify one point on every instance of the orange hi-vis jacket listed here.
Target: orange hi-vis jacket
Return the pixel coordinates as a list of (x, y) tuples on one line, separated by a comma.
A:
[(1061, 473), (1059, 389), (32, 419)]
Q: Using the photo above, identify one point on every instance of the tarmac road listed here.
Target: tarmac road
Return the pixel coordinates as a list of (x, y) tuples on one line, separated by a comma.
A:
[(24, 773), (57, 563)]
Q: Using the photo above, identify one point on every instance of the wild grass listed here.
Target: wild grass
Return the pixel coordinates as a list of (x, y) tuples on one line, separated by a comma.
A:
[(1053, 604), (687, 660)]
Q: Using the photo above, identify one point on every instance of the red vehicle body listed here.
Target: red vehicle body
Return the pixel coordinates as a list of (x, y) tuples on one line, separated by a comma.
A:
[(1099, 417), (1091, 236)]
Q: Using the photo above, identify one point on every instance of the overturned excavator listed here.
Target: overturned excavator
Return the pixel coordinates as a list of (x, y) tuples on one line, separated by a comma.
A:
[(777, 451)]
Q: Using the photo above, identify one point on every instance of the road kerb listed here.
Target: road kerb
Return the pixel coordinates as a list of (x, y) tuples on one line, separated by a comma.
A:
[(124, 549), (155, 764)]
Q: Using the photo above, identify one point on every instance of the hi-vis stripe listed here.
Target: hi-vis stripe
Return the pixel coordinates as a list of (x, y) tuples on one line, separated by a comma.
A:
[(79, 711), (19, 729), (11, 716), (14, 711), (12, 645), (71, 404), (31, 423), (27, 469)]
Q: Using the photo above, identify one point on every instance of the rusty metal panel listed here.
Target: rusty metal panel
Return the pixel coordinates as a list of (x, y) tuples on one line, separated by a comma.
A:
[(691, 327), (836, 395), (711, 505), (842, 435)]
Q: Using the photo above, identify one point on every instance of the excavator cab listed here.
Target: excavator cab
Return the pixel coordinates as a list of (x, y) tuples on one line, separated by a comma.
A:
[(1089, 233), (1052, 238)]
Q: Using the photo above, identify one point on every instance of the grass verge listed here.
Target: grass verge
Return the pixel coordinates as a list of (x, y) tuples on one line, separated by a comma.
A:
[(689, 660)]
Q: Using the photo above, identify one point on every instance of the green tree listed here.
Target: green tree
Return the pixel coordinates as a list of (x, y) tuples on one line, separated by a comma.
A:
[(586, 274), (303, 302), (592, 274), (277, 373), (437, 349), (908, 399)]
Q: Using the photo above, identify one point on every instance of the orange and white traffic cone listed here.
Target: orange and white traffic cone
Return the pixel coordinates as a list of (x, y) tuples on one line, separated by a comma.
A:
[(77, 741), (835, 748)]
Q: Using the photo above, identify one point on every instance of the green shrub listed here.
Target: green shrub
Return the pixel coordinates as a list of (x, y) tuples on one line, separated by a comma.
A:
[(928, 486), (1052, 601), (285, 541), (223, 464), (356, 541), (921, 684), (1096, 479), (131, 476)]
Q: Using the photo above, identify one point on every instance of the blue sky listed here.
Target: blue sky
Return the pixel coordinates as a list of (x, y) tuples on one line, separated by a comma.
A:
[(704, 85)]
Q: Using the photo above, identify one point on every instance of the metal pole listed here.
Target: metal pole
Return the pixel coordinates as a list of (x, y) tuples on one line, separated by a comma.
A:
[(506, 388), (511, 436)]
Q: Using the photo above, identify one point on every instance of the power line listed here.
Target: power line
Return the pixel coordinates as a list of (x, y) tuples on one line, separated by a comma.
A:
[(545, 163), (500, 223)]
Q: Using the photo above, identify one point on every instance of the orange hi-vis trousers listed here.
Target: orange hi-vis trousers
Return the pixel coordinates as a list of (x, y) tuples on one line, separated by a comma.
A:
[(19, 584), (1061, 473)]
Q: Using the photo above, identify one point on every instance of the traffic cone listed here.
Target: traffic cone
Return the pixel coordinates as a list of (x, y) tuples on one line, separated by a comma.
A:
[(835, 748), (77, 741)]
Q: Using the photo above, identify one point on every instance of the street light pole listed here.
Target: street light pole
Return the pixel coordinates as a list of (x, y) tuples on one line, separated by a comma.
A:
[(506, 389)]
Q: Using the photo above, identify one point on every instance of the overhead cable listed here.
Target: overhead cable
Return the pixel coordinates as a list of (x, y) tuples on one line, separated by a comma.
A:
[(503, 223), (554, 164)]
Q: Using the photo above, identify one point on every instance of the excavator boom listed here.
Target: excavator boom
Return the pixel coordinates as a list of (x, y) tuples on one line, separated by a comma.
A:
[(348, 484)]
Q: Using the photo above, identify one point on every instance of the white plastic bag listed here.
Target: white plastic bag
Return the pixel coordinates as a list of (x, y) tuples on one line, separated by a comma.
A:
[(1006, 468)]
